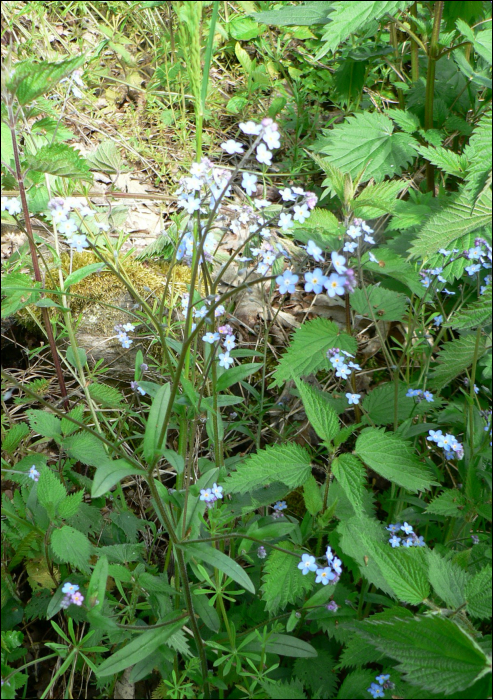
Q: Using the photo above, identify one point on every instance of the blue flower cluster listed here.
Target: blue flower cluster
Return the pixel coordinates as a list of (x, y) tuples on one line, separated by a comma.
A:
[(411, 539), (377, 690), (324, 574), (122, 334), (343, 365), (420, 395), (211, 495), (452, 448)]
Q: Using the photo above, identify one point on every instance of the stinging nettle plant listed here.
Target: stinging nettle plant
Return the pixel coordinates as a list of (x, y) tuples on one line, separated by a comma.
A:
[(282, 574)]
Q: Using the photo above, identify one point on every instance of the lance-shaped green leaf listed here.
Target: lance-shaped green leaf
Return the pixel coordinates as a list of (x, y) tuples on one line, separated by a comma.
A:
[(155, 424), (110, 473), (236, 374), (83, 272), (319, 412), (96, 590), (138, 649), (284, 645), (394, 459), (219, 560)]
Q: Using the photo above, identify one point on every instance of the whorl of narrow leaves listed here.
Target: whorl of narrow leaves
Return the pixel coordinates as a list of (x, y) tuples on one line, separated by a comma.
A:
[(283, 582), (287, 463), (394, 459), (433, 652)]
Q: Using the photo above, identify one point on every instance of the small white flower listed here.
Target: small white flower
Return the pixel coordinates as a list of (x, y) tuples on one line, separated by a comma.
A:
[(301, 213), (231, 147), (13, 206), (350, 247), (315, 252), (250, 128), (229, 342), (353, 399), (271, 138), (285, 222), (354, 232), (287, 195), (249, 183), (263, 154), (338, 261), (225, 360)]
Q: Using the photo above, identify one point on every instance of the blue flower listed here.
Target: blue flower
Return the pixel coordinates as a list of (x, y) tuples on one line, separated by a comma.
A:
[(393, 528), (314, 281), (280, 505), (428, 396), (376, 691), (307, 564), (472, 269), (69, 588), (315, 252), (287, 282), (382, 678), (353, 399), (408, 529), (438, 320), (324, 575), (395, 541)]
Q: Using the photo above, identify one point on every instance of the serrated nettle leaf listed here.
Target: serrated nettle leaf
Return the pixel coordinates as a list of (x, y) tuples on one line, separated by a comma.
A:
[(473, 315), (433, 652), (380, 404), (312, 496), (390, 264), (455, 357), (105, 395), (86, 448), (106, 159), (70, 505), (60, 160), (407, 121), (451, 502), (306, 353), (368, 141), (44, 423), (287, 463), (154, 424), (29, 80), (448, 579), (142, 646), (455, 219), (50, 491), (394, 459), (321, 415), (379, 303), (283, 583), (72, 547), (350, 17), (478, 594), (404, 569), (219, 560), (109, 473), (351, 474)]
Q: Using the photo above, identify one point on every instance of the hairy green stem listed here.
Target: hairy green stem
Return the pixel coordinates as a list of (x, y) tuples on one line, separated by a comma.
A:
[(430, 85)]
